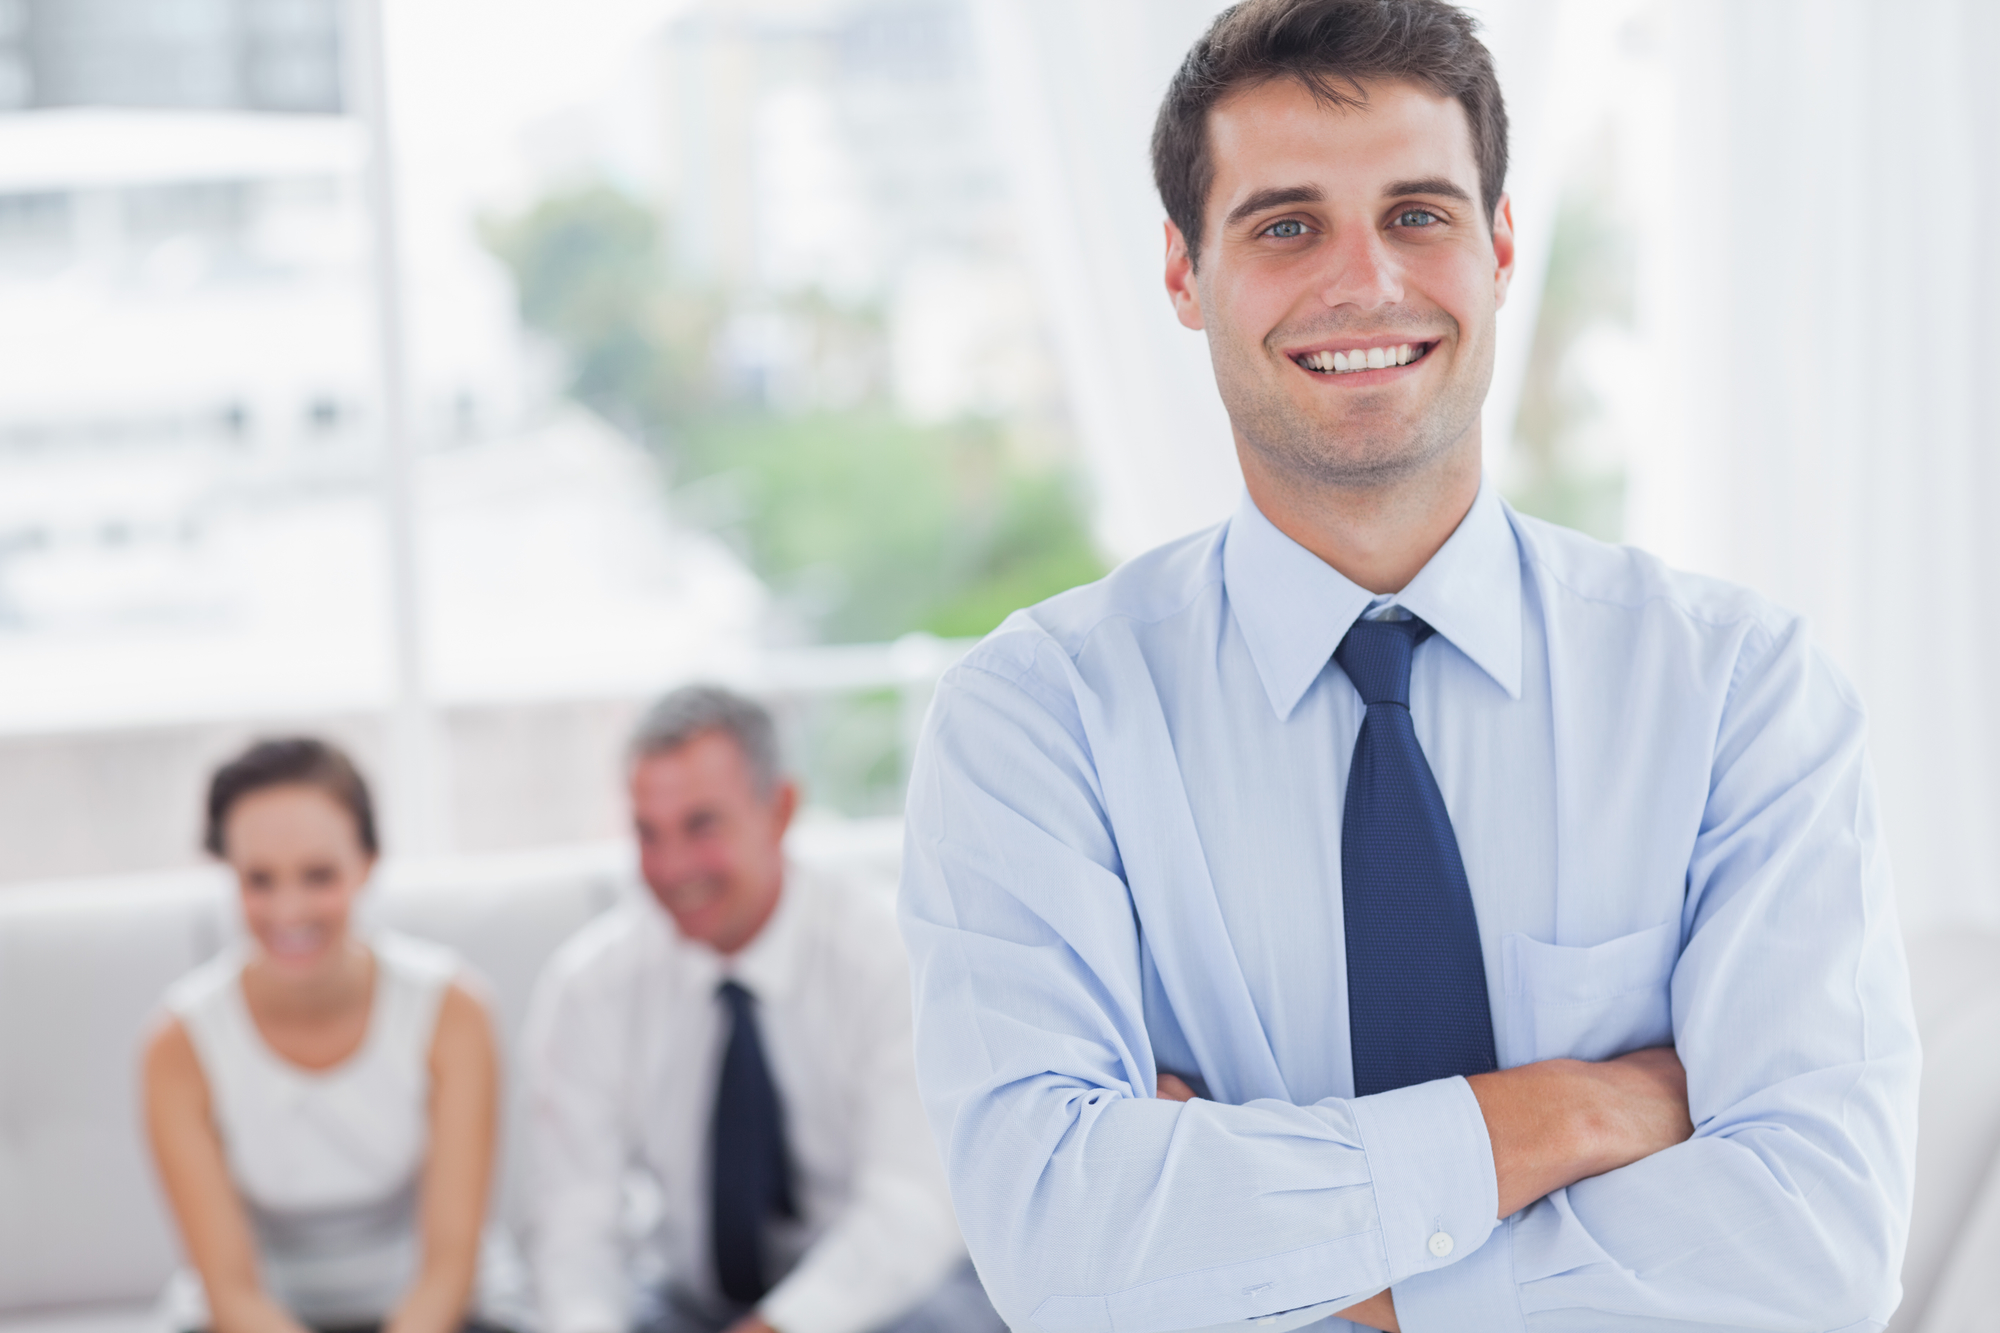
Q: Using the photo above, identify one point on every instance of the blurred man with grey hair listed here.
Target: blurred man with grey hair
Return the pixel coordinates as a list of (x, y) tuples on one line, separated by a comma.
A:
[(733, 1052)]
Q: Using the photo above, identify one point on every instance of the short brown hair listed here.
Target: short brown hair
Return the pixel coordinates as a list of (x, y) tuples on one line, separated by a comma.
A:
[(293, 761), (1331, 47)]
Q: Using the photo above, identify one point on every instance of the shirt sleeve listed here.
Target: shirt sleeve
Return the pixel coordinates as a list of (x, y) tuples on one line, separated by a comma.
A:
[(1086, 1203), (1789, 1208), (897, 1239), (570, 1053)]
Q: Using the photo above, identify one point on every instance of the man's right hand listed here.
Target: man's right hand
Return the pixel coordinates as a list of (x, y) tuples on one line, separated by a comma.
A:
[(1556, 1122)]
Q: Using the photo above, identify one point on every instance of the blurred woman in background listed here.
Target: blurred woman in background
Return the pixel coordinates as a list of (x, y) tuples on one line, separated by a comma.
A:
[(322, 1104)]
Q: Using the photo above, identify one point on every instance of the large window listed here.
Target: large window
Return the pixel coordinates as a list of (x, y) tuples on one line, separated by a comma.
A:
[(718, 355)]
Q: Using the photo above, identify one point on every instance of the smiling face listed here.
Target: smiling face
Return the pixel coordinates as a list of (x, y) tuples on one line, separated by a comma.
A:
[(1348, 283), (711, 846), (299, 866)]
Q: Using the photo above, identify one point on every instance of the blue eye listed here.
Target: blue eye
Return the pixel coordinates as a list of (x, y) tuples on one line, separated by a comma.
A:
[(1416, 217), (1287, 229)]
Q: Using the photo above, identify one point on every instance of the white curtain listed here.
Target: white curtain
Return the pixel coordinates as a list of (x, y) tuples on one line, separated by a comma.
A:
[(1820, 287), (1074, 86)]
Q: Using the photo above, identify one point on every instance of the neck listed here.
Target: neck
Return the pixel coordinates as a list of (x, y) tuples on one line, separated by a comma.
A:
[(343, 980), (754, 926), (1378, 536)]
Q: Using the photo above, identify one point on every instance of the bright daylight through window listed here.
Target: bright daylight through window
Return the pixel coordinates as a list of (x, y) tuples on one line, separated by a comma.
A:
[(721, 351)]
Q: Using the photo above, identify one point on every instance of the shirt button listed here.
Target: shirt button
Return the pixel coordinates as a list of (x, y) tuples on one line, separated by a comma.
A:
[(1441, 1244)]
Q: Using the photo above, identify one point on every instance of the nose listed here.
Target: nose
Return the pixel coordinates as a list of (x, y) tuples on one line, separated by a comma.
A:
[(289, 904), (667, 862), (1361, 271)]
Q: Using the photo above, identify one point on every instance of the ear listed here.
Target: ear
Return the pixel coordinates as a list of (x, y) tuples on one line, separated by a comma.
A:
[(784, 804), (1180, 279), (1503, 249)]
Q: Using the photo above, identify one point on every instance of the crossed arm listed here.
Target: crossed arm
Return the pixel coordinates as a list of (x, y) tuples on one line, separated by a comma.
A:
[(215, 1229), (1552, 1124)]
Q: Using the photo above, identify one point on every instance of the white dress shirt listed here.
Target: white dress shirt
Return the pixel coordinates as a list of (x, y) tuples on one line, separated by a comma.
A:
[(623, 1048)]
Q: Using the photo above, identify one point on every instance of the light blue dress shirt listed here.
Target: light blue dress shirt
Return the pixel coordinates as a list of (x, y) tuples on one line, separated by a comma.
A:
[(1123, 858)]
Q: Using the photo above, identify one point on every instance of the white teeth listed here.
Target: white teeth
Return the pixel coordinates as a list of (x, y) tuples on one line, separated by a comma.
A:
[(1374, 358)]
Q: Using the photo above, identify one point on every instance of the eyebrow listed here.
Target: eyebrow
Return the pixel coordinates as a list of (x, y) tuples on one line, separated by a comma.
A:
[(1276, 196), (1437, 185)]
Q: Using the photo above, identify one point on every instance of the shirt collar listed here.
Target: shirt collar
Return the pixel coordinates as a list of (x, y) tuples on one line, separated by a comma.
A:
[(1295, 608), (768, 964)]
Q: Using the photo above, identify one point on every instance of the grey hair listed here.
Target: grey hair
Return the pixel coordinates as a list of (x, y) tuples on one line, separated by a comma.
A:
[(692, 710)]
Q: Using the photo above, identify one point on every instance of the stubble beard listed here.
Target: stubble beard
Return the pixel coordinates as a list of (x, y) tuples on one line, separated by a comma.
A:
[(1371, 447)]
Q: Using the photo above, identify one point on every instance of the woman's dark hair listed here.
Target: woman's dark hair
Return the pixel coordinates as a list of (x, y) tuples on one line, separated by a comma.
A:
[(294, 761), (1331, 48)]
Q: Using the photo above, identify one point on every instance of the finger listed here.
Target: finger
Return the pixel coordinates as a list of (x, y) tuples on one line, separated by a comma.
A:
[(1173, 1090)]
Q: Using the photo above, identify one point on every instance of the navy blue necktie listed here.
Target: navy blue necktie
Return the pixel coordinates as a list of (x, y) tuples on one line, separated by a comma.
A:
[(1416, 980), (749, 1174)]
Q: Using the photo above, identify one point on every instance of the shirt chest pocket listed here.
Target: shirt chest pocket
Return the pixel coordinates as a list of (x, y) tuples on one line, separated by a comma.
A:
[(1588, 1003)]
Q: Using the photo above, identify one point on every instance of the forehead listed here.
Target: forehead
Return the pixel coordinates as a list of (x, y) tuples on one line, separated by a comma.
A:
[(1277, 134), (709, 766), (288, 813)]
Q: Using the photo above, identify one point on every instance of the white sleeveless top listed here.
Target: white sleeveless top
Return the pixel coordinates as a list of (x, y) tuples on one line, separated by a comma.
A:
[(326, 1162)]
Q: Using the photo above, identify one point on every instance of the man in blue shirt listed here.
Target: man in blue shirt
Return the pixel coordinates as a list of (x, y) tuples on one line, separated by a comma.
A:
[(1385, 905)]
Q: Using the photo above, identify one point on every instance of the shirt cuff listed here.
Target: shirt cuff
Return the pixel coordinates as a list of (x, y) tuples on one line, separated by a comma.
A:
[(812, 1306), (1432, 1164), (1477, 1292)]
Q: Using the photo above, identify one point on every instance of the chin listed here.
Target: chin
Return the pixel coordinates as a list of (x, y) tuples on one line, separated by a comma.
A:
[(299, 961), (700, 930)]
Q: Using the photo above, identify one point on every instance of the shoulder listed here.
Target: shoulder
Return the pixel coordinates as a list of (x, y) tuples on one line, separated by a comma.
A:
[(1583, 569), (1146, 590), (853, 963), (603, 955), (464, 1029), (1623, 600), (1579, 572), (849, 915), (170, 1067), (1039, 649), (431, 981), (200, 991), (410, 959)]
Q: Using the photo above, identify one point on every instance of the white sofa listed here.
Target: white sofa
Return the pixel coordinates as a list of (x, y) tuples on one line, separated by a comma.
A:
[(85, 1242)]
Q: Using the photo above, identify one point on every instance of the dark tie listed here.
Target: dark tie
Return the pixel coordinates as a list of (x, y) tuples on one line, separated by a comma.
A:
[(1416, 980), (750, 1176)]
